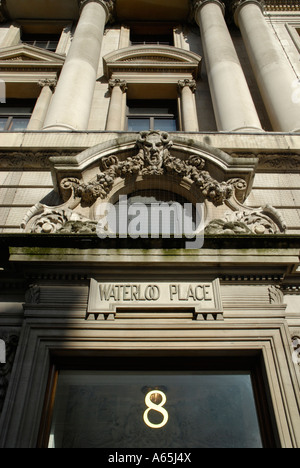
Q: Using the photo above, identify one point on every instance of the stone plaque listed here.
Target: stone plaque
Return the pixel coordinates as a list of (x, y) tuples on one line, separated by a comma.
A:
[(203, 297)]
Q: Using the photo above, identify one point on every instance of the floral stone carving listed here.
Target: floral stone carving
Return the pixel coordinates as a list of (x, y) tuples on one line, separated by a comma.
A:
[(152, 159), (265, 220)]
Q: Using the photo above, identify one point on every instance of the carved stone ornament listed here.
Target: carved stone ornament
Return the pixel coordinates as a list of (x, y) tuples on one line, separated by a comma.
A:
[(190, 83), (152, 159), (260, 221), (49, 220), (148, 160), (122, 84), (296, 349)]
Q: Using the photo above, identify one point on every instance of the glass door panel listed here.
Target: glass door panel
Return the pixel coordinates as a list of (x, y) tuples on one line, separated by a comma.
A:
[(154, 409)]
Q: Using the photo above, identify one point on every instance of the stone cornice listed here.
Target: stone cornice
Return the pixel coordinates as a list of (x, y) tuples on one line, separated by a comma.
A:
[(282, 5)]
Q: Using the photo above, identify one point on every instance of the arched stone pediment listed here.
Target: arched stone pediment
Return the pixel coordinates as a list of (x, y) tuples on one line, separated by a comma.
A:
[(123, 158), (152, 160), (153, 58)]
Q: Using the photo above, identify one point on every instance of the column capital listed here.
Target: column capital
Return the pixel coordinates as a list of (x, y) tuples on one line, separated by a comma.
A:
[(198, 4), (238, 4), (51, 83), (117, 82), (190, 83), (108, 5)]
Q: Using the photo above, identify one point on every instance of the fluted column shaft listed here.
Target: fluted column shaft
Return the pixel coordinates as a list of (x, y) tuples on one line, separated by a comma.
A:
[(71, 104), (188, 106), (233, 105), (273, 72), (115, 116)]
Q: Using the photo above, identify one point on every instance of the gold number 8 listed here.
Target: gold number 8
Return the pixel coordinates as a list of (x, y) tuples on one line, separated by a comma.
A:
[(159, 408)]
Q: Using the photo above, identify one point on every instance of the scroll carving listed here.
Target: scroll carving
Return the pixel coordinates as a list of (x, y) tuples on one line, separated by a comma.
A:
[(261, 221)]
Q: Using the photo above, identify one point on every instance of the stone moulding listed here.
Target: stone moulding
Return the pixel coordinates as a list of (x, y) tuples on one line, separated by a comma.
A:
[(282, 5), (24, 57)]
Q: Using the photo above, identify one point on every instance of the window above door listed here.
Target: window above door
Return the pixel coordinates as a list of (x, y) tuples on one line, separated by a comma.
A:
[(152, 115)]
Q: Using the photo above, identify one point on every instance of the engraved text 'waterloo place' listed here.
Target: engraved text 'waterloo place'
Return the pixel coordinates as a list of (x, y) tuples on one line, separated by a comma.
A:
[(154, 292)]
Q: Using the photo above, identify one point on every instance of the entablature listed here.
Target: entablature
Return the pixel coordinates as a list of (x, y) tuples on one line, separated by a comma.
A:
[(124, 10)]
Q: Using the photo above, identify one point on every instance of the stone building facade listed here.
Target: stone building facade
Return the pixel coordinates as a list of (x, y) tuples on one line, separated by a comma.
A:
[(115, 337)]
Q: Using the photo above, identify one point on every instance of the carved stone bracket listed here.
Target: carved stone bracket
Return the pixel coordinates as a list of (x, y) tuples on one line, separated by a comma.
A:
[(275, 294)]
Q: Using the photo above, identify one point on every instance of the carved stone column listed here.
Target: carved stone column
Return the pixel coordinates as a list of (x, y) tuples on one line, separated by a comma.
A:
[(187, 89), (42, 104), (232, 101), (71, 104), (115, 117), (273, 72)]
